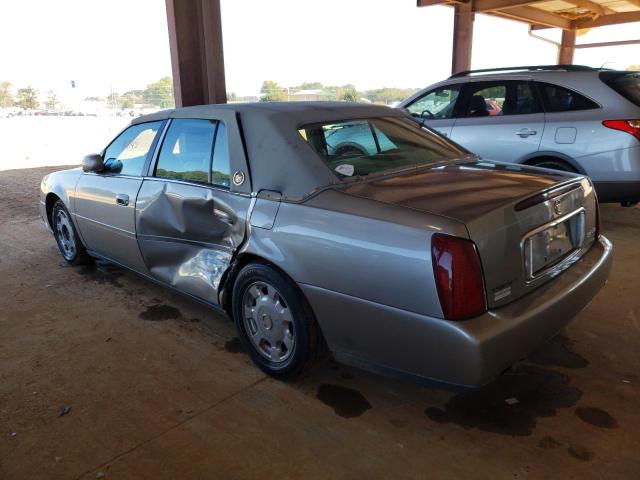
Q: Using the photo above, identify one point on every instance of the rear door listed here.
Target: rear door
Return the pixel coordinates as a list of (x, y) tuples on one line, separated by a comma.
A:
[(105, 201), (190, 216), (437, 108), (500, 120), (574, 127)]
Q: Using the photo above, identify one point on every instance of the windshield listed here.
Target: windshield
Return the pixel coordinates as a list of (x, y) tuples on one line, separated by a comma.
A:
[(362, 147)]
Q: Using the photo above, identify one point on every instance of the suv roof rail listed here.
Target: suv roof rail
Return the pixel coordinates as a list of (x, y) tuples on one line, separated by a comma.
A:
[(529, 68)]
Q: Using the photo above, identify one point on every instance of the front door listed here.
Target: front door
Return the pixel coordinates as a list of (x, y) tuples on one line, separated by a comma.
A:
[(105, 202), (190, 218), (437, 108), (500, 120)]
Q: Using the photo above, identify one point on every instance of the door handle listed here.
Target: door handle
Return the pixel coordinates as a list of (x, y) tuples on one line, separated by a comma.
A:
[(122, 199), (525, 132)]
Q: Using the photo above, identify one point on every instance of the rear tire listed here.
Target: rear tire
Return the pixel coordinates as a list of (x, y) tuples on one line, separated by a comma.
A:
[(274, 322), (553, 163), (64, 231)]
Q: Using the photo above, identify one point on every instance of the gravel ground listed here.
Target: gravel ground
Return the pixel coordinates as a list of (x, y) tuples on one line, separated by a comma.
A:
[(104, 375)]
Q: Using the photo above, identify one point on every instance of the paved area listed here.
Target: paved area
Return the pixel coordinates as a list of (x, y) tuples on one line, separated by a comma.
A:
[(104, 375)]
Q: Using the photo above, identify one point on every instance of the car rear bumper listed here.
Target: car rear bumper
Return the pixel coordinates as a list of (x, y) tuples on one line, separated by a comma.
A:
[(463, 354)]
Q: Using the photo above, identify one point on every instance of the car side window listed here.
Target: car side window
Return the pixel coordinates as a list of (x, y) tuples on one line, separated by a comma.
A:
[(188, 152), (436, 104), (220, 169), (560, 99), (127, 154), (488, 99)]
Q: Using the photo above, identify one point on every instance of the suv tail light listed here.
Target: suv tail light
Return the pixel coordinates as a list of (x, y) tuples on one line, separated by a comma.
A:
[(629, 126), (458, 275)]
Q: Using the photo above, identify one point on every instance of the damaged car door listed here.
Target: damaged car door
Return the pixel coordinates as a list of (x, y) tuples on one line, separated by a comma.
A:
[(190, 219)]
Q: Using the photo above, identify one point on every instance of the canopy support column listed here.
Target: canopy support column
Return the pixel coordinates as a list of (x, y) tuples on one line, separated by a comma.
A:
[(567, 47), (197, 60), (462, 37)]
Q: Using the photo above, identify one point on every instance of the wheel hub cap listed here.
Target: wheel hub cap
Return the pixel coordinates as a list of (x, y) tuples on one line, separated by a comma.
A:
[(64, 234), (268, 322)]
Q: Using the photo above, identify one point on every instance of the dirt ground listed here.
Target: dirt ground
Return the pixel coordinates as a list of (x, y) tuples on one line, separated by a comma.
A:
[(105, 375)]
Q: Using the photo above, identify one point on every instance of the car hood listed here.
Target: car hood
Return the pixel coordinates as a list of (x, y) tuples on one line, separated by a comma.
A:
[(462, 191)]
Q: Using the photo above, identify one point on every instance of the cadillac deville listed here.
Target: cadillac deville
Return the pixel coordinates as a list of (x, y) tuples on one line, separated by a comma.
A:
[(407, 255)]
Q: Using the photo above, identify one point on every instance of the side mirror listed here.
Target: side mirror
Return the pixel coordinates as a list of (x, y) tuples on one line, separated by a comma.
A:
[(93, 163)]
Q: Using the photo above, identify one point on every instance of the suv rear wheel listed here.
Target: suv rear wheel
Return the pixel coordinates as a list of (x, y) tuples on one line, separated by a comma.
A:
[(553, 163)]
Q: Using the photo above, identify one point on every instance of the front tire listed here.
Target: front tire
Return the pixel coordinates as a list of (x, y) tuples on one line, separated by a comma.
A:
[(274, 321), (66, 236)]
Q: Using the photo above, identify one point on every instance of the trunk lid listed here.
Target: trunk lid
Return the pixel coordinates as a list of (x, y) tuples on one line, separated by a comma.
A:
[(521, 244)]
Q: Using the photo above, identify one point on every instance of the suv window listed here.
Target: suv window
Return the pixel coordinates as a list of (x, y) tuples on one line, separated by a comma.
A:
[(127, 154), (560, 99), (626, 84), (511, 97), (188, 152), (436, 104)]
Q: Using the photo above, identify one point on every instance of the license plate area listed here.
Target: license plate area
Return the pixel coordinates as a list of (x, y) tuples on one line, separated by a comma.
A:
[(548, 245)]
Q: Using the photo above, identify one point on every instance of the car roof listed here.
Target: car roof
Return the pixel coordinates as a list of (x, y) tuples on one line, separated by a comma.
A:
[(279, 159), (301, 110)]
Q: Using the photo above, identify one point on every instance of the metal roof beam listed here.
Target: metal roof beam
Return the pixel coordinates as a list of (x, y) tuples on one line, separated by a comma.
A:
[(489, 5), (599, 10), (616, 18), (536, 16)]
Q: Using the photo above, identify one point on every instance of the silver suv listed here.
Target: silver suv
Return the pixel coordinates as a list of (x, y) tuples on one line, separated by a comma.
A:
[(566, 117)]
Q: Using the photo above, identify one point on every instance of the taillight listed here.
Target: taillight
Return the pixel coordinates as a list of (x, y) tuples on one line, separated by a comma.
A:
[(629, 126), (458, 275)]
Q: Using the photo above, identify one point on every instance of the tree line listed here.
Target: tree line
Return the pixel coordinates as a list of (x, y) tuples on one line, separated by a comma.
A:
[(27, 97), (271, 91), (156, 94)]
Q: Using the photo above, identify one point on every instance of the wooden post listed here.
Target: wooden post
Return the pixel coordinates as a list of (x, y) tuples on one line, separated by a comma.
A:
[(197, 60), (567, 47), (462, 37)]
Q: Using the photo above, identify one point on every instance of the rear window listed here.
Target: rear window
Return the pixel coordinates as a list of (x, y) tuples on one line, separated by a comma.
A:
[(626, 84), (560, 99), (363, 147)]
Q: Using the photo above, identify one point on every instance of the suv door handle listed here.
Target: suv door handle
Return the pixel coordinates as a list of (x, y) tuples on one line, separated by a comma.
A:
[(122, 199), (525, 132)]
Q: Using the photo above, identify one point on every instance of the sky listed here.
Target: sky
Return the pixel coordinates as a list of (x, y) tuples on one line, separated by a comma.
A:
[(123, 44)]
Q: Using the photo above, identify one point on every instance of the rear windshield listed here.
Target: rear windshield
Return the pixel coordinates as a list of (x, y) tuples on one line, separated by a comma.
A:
[(626, 84), (363, 147)]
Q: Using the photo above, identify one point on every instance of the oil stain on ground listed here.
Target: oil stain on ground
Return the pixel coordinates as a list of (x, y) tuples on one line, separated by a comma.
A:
[(557, 352), (158, 313), (102, 273), (234, 345), (346, 402), (539, 393), (596, 417)]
